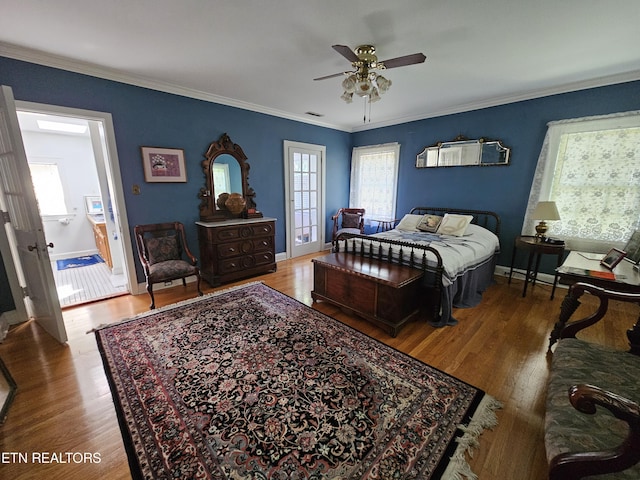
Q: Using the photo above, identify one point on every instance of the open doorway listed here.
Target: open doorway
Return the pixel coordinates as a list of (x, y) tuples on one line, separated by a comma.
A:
[(71, 172)]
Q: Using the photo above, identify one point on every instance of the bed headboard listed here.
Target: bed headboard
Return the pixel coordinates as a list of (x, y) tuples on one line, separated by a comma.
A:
[(486, 219)]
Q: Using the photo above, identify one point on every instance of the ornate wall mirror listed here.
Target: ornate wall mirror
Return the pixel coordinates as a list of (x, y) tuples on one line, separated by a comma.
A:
[(464, 152), (226, 193)]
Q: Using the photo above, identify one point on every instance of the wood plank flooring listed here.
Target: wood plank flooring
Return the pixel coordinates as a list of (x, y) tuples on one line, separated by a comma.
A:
[(64, 403)]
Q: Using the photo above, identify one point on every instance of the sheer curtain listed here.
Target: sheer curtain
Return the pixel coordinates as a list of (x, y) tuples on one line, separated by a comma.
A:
[(374, 180), (591, 168)]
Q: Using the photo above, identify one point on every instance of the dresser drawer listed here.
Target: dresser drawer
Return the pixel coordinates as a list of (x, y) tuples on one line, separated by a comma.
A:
[(247, 262), (244, 247), (237, 232)]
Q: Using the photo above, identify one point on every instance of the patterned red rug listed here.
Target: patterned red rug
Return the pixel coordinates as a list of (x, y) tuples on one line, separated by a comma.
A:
[(251, 384)]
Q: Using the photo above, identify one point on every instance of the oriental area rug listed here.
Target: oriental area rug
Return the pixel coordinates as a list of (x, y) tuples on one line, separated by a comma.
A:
[(249, 383)]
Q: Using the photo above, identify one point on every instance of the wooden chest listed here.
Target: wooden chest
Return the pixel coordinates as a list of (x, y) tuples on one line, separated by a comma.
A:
[(384, 293), (234, 249)]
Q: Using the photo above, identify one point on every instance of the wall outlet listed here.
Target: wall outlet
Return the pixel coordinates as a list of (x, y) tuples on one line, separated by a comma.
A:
[(136, 189)]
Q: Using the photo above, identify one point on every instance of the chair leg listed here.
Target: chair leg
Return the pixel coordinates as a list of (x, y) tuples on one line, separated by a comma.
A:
[(153, 300), (198, 284)]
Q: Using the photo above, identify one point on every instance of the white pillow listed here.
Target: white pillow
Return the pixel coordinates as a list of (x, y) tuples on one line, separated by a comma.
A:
[(455, 225), (409, 222)]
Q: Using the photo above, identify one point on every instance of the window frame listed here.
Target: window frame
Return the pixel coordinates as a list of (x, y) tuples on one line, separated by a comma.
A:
[(542, 187), (359, 155)]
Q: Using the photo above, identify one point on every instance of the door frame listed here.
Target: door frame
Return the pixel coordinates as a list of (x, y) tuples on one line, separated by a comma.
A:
[(290, 236), (112, 167)]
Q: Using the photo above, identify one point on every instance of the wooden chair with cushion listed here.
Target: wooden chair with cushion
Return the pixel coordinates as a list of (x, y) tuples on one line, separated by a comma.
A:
[(348, 220), (161, 249)]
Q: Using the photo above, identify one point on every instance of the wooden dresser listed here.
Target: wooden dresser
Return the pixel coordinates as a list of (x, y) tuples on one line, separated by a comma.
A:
[(237, 248)]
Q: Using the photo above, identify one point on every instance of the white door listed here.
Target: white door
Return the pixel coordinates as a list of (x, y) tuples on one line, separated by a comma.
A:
[(29, 248), (304, 169)]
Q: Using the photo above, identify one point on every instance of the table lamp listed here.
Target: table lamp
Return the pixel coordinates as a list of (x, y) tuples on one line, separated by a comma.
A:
[(544, 211)]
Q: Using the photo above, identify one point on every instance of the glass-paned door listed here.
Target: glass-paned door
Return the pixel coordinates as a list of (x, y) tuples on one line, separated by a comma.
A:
[(305, 194)]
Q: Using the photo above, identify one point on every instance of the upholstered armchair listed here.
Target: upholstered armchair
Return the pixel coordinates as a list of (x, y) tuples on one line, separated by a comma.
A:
[(161, 249), (348, 220)]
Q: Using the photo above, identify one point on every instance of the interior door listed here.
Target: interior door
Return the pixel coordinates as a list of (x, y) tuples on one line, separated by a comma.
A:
[(29, 250), (305, 213)]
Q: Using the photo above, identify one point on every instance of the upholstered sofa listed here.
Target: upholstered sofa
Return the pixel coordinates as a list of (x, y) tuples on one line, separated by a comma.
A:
[(592, 420)]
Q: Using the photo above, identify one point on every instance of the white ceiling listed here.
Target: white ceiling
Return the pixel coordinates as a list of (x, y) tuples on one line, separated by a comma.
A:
[(263, 55)]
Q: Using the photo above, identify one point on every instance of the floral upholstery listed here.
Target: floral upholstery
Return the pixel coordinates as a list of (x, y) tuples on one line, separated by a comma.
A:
[(351, 220), (161, 249), (568, 430), (170, 269)]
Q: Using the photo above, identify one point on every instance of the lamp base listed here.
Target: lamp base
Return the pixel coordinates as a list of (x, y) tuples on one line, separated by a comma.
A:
[(541, 229)]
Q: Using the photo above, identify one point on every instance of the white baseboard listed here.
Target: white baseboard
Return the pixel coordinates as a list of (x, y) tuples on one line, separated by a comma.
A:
[(12, 317), (520, 274), (62, 256)]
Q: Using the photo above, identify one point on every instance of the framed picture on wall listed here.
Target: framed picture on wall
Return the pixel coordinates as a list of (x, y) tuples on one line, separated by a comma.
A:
[(163, 164)]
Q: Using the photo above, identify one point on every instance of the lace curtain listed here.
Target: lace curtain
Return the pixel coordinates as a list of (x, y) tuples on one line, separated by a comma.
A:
[(374, 179), (591, 168)]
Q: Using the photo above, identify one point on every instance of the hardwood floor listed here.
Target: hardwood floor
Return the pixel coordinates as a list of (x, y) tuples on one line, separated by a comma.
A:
[(64, 403)]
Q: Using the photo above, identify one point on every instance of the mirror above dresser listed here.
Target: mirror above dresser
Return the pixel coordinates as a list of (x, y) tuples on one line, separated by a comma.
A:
[(226, 193)]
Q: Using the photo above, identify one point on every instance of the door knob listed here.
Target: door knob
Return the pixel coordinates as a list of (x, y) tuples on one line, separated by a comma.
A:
[(50, 244), (31, 248)]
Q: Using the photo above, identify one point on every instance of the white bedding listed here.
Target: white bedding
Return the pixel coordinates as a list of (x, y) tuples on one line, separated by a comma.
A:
[(459, 254)]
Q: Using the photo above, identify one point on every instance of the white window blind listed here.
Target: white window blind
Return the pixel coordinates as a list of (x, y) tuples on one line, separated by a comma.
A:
[(374, 180), (591, 168)]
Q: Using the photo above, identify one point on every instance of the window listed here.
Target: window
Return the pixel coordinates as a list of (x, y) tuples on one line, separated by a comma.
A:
[(374, 180), (591, 168), (48, 188)]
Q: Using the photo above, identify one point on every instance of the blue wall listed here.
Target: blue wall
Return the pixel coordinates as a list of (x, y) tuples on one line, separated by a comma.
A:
[(146, 117), (503, 189)]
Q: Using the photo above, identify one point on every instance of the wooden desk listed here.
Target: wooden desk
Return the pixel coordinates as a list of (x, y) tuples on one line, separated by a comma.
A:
[(536, 249), (578, 268)]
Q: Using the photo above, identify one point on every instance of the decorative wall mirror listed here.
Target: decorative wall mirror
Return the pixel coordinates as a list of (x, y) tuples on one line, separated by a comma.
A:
[(464, 152), (226, 193)]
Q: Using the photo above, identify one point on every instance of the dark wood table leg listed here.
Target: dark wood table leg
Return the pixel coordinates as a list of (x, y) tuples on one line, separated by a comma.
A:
[(528, 275), (535, 274), (513, 259), (555, 278)]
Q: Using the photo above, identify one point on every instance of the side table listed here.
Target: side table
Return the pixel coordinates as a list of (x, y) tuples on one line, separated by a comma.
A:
[(536, 249)]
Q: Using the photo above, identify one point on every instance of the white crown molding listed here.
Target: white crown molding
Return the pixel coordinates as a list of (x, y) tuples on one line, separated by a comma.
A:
[(86, 68), (64, 63), (496, 101)]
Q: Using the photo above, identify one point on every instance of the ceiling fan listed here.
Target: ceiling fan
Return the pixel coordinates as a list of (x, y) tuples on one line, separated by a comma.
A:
[(364, 81)]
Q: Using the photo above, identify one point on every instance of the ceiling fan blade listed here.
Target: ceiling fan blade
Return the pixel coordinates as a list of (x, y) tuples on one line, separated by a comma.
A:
[(403, 61), (346, 52), (333, 76)]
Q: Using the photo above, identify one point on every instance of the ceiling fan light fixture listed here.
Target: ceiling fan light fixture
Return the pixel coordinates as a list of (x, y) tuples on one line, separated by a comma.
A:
[(347, 97), (349, 84), (375, 96), (383, 84)]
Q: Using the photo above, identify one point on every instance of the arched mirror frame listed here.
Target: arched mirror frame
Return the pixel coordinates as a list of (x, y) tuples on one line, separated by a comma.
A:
[(207, 195)]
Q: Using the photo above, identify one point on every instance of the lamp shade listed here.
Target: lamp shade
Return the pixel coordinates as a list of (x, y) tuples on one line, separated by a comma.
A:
[(546, 211)]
